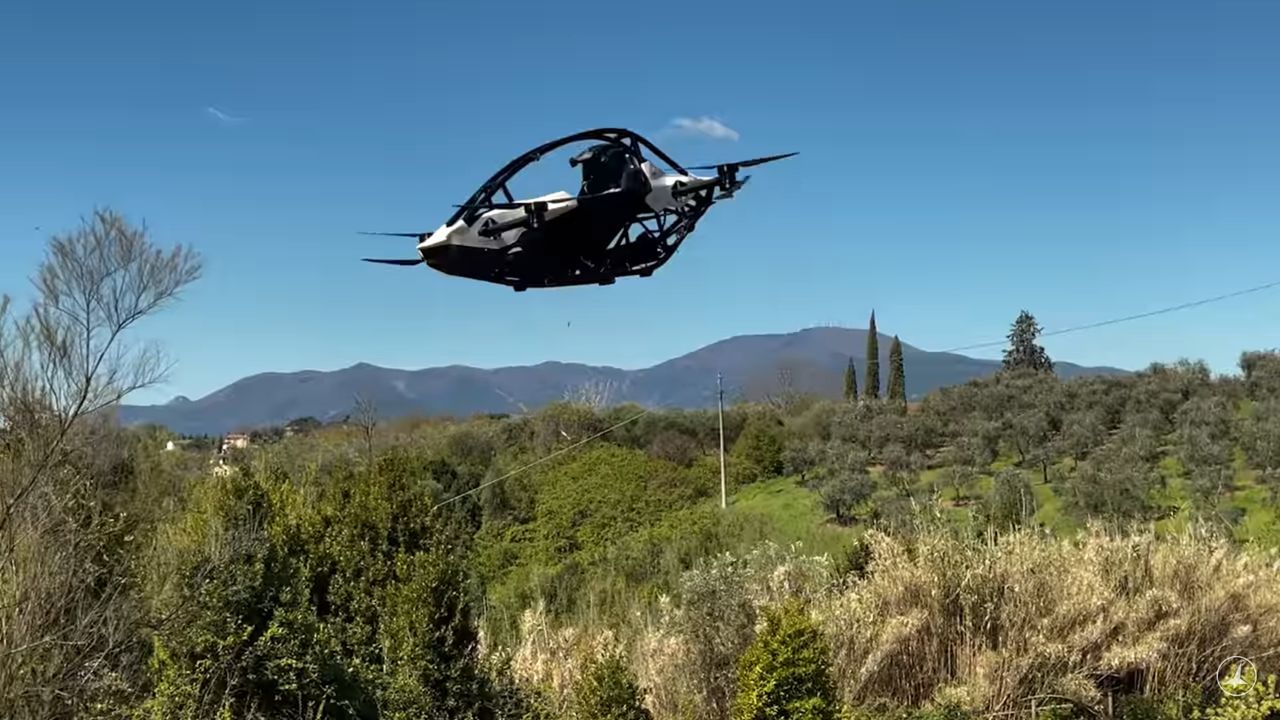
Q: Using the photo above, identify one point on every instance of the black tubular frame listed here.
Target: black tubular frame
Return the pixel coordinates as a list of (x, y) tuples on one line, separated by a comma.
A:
[(616, 136)]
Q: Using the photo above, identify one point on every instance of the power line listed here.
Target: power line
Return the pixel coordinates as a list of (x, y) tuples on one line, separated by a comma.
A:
[(1127, 318), (541, 460), (975, 346)]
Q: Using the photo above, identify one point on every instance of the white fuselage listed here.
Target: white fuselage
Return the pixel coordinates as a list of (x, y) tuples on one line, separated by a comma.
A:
[(660, 198)]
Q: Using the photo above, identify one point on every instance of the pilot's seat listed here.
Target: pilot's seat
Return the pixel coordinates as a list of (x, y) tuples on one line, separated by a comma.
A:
[(607, 167)]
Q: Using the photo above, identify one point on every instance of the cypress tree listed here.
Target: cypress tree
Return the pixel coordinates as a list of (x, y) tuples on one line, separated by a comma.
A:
[(871, 389), (897, 373), (1024, 353), (851, 382)]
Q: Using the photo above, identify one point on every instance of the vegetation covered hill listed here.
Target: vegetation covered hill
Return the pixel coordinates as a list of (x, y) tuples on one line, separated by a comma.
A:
[(811, 359), (1085, 548)]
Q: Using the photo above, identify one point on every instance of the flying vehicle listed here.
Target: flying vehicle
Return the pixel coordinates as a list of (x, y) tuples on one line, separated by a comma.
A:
[(628, 218)]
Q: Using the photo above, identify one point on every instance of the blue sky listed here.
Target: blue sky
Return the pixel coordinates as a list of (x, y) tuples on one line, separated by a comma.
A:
[(959, 161)]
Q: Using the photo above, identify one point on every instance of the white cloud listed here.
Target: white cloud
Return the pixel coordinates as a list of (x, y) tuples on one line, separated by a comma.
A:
[(223, 117), (705, 126)]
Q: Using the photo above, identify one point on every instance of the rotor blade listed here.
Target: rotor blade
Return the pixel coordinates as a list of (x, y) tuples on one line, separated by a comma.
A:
[(745, 163), (423, 236), (417, 261)]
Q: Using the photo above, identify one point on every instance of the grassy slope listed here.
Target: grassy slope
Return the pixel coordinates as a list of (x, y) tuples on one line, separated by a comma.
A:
[(784, 512)]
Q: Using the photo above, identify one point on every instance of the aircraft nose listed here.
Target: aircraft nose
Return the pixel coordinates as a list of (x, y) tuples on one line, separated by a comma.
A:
[(435, 255)]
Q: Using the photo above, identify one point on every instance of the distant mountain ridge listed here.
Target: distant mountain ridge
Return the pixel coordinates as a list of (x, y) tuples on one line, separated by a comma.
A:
[(815, 358)]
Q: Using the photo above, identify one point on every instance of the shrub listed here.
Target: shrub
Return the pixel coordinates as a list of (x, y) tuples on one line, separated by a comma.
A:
[(1174, 705), (1260, 703), (785, 673), (688, 654), (674, 447), (608, 691), (334, 598), (761, 444)]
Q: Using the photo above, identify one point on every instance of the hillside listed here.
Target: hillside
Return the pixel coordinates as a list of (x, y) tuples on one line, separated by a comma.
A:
[(816, 358)]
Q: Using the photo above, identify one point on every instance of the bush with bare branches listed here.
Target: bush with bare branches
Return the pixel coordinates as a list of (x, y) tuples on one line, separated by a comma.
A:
[(69, 625)]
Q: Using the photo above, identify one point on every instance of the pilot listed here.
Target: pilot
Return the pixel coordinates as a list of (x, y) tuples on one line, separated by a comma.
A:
[(605, 167)]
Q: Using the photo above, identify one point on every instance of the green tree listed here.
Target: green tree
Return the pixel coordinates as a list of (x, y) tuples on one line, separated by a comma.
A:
[(341, 597), (871, 389), (1259, 433), (842, 494), (1261, 370), (1116, 483), (1011, 503), (846, 484), (608, 691), (1023, 352), (786, 672), (761, 444), (303, 425), (897, 374), (1204, 444), (851, 382)]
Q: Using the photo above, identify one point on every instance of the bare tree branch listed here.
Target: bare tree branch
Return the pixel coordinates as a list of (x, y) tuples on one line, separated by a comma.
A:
[(65, 617), (366, 414)]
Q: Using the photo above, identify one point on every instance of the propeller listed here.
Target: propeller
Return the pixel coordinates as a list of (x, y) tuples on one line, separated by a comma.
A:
[(394, 261), (420, 236), (744, 163), (737, 185)]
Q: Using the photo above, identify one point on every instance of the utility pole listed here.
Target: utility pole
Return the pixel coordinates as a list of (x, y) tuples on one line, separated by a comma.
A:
[(724, 503)]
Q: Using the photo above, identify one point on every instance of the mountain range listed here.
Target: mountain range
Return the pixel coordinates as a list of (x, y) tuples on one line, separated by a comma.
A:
[(811, 360)]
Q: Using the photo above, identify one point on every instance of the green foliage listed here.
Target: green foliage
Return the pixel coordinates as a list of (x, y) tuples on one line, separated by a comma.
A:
[(854, 561), (1204, 427), (602, 517), (850, 382), (846, 484), (1261, 374), (1260, 703), (760, 445), (783, 512), (897, 374), (871, 388), (304, 424), (1259, 430), (137, 583), (1011, 503), (512, 700), (1172, 705), (786, 672), (1023, 352), (945, 711), (608, 691), (1117, 484), (331, 598), (674, 447)]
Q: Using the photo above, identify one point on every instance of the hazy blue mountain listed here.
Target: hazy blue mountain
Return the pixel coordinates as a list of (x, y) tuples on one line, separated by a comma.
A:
[(753, 365)]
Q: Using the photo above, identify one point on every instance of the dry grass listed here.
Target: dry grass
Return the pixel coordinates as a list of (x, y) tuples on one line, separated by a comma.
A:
[(985, 622), (991, 623)]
